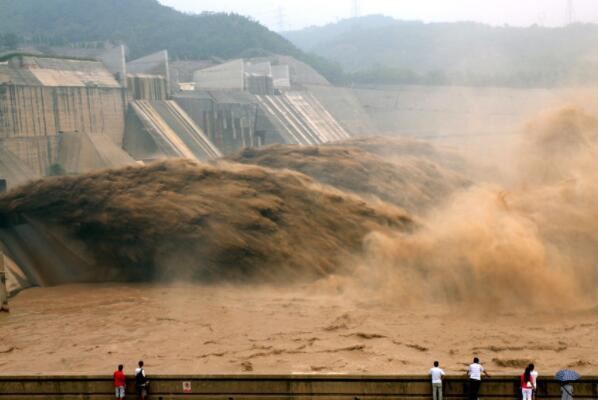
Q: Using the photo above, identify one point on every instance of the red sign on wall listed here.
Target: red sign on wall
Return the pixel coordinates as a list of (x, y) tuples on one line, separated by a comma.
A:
[(186, 387)]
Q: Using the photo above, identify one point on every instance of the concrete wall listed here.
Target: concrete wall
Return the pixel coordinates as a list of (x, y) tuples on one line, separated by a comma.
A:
[(137, 141), (281, 76), (301, 118), (111, 56), (154, 64), (235, 120), (229, 119), (173, 132), (32, 117), (47, 255), (114, 60), (84, 152), (35, 153), (230, 75), (45, 111), (296, 387), (58, 72), (147, 87), (261, 68), (182, 70), (301, 73), (42, 98), (13, 171), (448, 110), (345, 107)]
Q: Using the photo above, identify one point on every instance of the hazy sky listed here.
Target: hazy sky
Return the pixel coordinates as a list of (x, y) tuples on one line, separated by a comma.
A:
[(300, 13)]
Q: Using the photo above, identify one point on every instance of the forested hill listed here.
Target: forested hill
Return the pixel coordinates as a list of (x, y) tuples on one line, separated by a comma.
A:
[(393, 50), (144, 25)]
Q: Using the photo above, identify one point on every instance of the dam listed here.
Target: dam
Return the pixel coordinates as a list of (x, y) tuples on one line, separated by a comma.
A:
[(77, 111), (84, 110), (279, 387)]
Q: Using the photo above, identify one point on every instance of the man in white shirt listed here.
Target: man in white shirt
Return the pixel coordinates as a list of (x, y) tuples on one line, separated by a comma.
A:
[(437, 373), (475, 372)]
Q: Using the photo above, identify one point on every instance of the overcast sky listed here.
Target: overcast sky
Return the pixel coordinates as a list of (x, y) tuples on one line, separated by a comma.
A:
[(295, 14)]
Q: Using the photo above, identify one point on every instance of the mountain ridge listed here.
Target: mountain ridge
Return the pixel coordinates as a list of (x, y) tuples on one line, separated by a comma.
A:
[(397, 51)]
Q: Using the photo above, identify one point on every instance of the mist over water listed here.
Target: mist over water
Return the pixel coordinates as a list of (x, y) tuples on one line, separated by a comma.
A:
[(284, 273), (530, 243), (401, 219)]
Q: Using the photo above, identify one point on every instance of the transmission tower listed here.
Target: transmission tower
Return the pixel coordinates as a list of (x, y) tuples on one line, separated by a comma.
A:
[(280, 19), (356, 11), (570, 13)]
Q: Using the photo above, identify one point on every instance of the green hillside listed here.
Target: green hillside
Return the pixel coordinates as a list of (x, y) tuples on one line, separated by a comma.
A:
[(392, 51), (145, 26)]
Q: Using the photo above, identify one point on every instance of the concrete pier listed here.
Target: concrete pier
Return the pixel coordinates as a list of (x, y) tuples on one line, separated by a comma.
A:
[(295, 387)]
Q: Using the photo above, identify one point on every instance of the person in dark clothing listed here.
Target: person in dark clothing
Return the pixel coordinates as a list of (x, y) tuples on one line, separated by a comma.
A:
[(141, 382)]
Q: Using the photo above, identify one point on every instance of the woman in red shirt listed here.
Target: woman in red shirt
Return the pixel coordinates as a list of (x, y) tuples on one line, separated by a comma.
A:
[(527, 384)]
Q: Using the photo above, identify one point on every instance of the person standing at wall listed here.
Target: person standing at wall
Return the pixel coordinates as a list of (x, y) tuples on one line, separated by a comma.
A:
[(437, 373), (527, 383), (120, 383), (566, 391), (475, 372), (141, 382)]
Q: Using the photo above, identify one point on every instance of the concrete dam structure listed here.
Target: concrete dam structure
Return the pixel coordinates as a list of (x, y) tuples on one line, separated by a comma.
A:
[(41, 98), (231, 119), (286, 112), (302, 387), (92, 110), (301, 118), (84, 152), (173, 133), (37, 255), (57, 112)]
